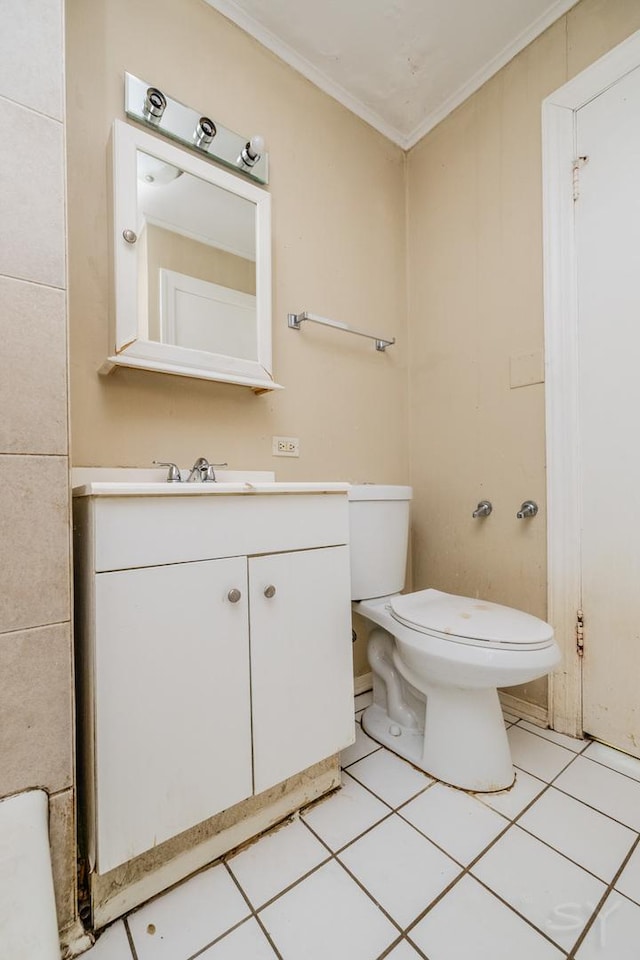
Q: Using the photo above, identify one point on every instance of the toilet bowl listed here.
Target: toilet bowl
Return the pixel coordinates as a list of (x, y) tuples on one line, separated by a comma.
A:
[(437, 659)]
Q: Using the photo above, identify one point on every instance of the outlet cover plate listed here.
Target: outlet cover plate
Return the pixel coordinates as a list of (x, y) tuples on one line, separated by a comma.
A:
[(285, 446)]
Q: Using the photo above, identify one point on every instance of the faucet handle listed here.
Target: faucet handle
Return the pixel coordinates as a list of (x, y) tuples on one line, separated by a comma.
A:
[(173, 476), (210, 474)]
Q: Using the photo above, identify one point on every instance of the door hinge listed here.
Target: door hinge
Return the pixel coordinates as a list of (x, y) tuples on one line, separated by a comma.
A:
[(580, 633), (576, 165)]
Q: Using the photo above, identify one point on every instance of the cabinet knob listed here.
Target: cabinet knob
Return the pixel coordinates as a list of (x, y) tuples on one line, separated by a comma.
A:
[(234, 595), (270, 591), (130, 235)]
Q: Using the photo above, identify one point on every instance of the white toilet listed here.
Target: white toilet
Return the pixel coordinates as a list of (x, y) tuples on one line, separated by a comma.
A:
[(437, 659)]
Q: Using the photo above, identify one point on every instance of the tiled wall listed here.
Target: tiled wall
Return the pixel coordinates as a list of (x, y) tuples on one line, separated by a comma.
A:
[(36, 705)]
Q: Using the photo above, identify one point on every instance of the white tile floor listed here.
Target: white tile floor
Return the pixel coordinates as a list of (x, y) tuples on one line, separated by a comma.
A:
[(397, 866)]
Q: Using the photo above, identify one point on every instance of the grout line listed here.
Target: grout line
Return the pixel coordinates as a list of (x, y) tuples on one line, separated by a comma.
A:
[(357, 760), (614, 889), (35, 110), (132, 946), (591, 807), (37, 626), (553, 743), (613, 769), (396, 943), (55, 456), (530, 923), (590, 922), (565, 855), (201, 950), (332, 857), (371, 897), (252, 914), (353, 840), (464, 870), (535, 733), (294, 883)]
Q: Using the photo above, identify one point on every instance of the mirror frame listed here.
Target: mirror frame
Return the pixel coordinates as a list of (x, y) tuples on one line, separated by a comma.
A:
[(127, 336)]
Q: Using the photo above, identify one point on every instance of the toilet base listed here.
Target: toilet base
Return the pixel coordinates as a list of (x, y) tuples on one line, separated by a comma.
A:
[(464, 744), (407, 743)]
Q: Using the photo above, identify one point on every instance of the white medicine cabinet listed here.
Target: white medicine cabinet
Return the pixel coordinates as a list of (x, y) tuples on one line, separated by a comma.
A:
[(191, 259)]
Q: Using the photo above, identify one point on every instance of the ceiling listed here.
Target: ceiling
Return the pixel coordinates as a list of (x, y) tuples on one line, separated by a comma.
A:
[(401, 65)]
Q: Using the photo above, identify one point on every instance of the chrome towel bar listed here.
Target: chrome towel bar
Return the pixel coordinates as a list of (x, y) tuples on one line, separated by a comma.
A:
[(296, 319)]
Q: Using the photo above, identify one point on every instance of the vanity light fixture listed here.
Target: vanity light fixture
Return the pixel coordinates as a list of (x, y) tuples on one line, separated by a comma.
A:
[(155, 103), (195, 130)]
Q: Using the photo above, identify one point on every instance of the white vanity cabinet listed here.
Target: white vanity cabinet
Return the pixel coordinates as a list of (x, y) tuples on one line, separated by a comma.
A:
[(214, 639), (301, 672)]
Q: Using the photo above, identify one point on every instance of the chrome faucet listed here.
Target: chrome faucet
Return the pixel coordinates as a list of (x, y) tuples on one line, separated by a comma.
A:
[(202, 471)]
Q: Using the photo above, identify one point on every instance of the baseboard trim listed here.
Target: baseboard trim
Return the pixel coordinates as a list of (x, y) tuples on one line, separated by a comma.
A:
[(524, 710), (362, 683), (117, 903)]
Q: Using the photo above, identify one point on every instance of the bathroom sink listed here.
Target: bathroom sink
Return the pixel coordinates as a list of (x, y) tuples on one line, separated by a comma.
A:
[(131, 482)]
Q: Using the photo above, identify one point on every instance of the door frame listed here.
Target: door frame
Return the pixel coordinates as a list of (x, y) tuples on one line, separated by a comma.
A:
[(561, 368)]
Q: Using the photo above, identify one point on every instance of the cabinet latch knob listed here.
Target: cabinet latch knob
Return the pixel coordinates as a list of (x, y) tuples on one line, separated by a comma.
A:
[(234, 595), (270, 591)]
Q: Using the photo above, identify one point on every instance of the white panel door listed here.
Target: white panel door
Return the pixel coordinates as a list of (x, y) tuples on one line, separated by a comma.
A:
[(608, 247), (301, 662), (207, 316), (172, 710)]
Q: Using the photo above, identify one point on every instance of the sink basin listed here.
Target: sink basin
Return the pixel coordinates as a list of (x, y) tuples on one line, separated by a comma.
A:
[(131, 482)]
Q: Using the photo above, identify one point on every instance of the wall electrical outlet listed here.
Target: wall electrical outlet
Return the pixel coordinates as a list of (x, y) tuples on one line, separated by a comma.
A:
[(285, 446)]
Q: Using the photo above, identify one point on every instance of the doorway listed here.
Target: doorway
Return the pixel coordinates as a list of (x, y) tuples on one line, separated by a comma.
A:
[(592, 335)]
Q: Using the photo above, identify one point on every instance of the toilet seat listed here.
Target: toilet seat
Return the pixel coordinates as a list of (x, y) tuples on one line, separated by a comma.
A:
[(470, 621)]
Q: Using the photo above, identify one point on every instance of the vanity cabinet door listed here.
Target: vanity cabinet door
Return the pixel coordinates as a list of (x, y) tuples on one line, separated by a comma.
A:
[(301, 661), (172, 709)]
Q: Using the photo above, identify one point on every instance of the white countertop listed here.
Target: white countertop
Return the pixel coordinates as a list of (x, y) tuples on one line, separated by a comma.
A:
[(133, 482), (155, 489)]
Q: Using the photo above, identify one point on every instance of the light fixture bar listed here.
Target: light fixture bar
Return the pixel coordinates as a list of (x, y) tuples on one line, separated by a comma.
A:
[(153, 108)]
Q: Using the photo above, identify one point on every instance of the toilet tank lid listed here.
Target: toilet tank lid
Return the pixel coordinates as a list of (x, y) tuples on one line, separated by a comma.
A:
[(471, 619), (379, 491)]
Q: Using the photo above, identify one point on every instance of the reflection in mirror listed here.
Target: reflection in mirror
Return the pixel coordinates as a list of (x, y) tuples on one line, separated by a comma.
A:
[(196, 262)]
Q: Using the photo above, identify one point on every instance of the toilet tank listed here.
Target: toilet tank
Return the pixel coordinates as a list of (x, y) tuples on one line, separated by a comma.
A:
[(378, 537)]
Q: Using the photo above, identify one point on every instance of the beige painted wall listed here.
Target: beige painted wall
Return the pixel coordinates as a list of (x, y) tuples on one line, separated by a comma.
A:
[(338, 249), (475, 301), (172, 251), (36, 674), (472, 190)]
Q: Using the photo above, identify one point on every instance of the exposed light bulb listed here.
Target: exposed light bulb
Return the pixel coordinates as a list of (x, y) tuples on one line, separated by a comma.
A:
[(252, 150), (256, 145)]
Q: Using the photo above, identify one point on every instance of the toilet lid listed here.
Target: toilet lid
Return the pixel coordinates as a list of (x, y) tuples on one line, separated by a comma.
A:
[(466, 620)]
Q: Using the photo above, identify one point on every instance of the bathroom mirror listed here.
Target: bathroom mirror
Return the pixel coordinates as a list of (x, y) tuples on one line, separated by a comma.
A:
[(191, 265)]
